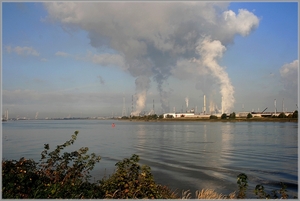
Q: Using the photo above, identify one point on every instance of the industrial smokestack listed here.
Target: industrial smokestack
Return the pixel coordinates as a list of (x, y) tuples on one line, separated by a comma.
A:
[(275, 106), (283, 105), (153, 107), (204, 105)]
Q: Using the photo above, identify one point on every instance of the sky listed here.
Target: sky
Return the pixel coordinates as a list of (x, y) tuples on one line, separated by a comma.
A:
[(94, 59)]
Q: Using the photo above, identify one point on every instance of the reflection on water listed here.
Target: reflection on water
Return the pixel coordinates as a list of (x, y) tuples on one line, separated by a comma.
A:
[(183, 155)]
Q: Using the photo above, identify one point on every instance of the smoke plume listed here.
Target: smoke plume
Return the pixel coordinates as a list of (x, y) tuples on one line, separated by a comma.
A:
[(142, 84), (157, 40), (210, 51), (187, 102)]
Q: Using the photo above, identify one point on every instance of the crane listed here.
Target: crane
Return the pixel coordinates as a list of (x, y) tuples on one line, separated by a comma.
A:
[(264, 110)]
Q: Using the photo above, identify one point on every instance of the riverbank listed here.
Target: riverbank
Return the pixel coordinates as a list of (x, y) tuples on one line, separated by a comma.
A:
[(215, 120)]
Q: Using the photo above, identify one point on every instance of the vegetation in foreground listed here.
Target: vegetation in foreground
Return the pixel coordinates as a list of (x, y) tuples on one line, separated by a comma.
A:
[(67, 175)]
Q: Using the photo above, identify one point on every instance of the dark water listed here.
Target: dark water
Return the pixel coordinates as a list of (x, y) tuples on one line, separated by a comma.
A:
[(182, 155)]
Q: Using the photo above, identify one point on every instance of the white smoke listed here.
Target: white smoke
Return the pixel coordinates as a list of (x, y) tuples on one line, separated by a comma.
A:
[(210, 51), (142, 84), (149, 38), (187, 102)]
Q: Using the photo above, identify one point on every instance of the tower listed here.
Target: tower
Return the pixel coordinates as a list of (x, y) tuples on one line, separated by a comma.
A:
[(275, 106), (131, 105), (6, 116), (124, 108), (153, 107), (204, 105)]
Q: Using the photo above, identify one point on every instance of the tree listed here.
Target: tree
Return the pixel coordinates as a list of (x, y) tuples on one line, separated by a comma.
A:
[(232, 115), (249, 116), (224, 116), (295, 114), (169, 116), (282, 115)]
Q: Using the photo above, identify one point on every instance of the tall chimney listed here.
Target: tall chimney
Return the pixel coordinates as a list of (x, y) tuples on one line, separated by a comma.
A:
[(204, 106), (275, 105)]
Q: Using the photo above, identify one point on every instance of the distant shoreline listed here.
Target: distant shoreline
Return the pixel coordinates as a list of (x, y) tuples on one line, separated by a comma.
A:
[(184, 119), (216, 120)]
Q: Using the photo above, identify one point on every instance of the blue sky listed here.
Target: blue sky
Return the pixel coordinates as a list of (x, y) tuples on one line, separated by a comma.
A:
[(78, 60)]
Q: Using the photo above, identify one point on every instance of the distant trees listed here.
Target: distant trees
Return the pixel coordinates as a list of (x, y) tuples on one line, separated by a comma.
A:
[(232, 115), (224, 116), (169, 116), (282, 115), (295, 114), (213, 117)]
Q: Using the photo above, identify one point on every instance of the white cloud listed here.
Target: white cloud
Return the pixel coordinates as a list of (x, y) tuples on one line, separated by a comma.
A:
[(25, 51), (289, 76), (62, 54), (242, 23)]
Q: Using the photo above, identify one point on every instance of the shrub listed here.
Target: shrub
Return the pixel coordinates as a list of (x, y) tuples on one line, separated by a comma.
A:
[(19, 178), (213, 117), (133, 181), (56, 176), (242, 183), (66, 175), (249, 116)]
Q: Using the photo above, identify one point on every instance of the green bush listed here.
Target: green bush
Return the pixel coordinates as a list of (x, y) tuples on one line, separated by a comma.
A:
[(133, 181), (249, 116), (213, 117), (66, 175), (58, 175), (243, 184)]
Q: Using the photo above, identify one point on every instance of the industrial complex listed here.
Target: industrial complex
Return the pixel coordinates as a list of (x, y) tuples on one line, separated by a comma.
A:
[(218, 113)]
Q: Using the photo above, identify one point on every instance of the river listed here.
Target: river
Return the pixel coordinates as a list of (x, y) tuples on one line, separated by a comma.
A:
[(182, 155)]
